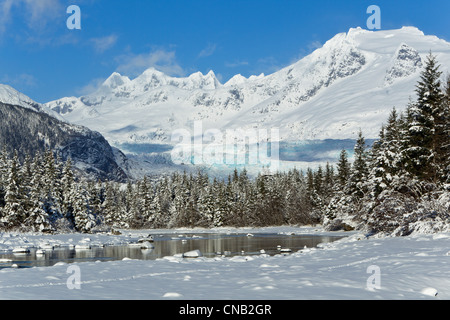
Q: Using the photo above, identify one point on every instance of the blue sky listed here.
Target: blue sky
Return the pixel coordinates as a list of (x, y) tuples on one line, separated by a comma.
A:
[(42, 58)]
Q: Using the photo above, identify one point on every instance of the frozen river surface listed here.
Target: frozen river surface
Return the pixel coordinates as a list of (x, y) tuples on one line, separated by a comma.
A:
[(161, 245)]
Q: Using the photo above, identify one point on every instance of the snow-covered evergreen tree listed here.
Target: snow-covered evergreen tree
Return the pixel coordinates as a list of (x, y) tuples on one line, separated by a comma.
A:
[(130, 211), (223, 214), (444, 134), (177, 209), (51, 186), (145, 195), (206, 202), (13, 214), (343, 169), (359, 171), (329, 181), (109, 206), (4, 165), (318, 181), (386, 157), (423, 123), (84, 218), (161, 203), (67, 184), (37, 218)]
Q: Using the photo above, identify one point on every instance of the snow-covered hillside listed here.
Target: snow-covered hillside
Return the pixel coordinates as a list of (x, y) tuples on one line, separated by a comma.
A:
[(30, 128), (352, 82), (9, 95)]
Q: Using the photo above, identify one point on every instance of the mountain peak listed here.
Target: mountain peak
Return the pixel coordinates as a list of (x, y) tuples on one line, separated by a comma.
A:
[(9, 95), (149, 74), (236, 80), (356, 31), (115, 80), (153, 71), (405, 29), (200, 81), (239, 79), (412, 29), (406, 61), (199, 74)]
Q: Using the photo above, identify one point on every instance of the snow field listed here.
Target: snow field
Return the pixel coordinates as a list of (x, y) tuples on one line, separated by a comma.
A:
[(414, 267)]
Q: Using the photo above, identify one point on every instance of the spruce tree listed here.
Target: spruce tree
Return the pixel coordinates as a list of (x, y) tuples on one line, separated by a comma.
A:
[(386, 159), (109, 205), (161, 203), (26, 174), (328, 181), (318, 180), (393, 141), (4, 165), (343, 169), (310, 180), (428, 89), (359, 171), (38, 219), (424, 128), (206, 203), (275, 201), (444, 132), (145, 199), (13, 212), (222, 204), (378, 166), (131, 213), (84, 219), (50, 183), (67, 183)]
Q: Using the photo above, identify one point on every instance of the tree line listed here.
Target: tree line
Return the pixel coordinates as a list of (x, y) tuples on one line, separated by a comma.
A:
[(43, 194), (403, 179)]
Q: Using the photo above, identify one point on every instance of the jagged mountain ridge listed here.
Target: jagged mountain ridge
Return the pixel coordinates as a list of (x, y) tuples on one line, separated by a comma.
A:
[(352, 82)]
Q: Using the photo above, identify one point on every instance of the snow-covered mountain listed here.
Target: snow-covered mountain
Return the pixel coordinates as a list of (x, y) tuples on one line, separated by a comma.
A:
[(29, 128), (352, 82), (9, 95)]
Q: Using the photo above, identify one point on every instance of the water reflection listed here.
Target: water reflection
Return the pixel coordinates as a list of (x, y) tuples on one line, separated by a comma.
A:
[(168, 245)]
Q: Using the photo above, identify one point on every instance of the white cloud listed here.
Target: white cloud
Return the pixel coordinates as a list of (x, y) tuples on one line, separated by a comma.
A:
[(132, 64), (314, 45), (104, 43), (91, 87), (5, 13), (36, 13), (41, 11), (20, 80), (208, 51), (236, 64), (269, 65)]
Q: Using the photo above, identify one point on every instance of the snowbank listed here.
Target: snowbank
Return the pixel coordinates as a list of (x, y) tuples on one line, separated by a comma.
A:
[(413, 267)]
